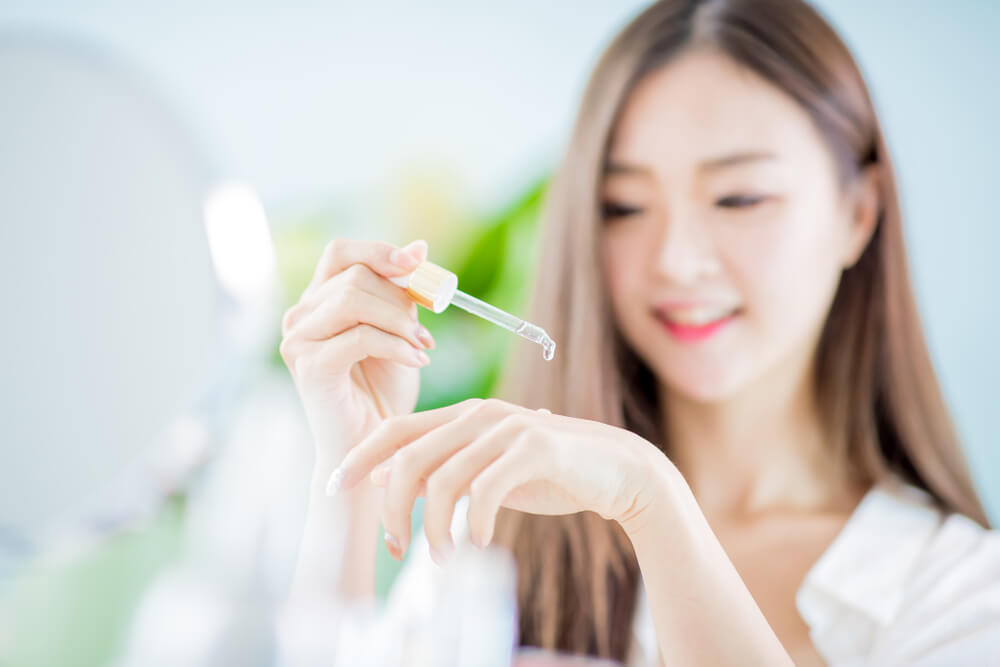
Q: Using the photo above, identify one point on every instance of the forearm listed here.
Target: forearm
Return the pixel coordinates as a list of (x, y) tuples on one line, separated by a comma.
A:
[(337, 554), (702, 611)]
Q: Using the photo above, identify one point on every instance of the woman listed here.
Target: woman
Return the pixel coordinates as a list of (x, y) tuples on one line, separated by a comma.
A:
[(743, 410)]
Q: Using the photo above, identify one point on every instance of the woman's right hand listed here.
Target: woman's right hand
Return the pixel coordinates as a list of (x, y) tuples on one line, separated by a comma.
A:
[(353, 343)]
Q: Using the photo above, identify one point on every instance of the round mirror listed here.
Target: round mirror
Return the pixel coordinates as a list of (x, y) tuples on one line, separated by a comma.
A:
[(107, 284)]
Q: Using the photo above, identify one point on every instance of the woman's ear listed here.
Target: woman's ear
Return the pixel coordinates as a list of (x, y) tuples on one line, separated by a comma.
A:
[(864, 213)]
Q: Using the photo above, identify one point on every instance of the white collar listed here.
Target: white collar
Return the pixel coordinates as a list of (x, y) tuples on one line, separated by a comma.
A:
[(865, 568), (862, 574)]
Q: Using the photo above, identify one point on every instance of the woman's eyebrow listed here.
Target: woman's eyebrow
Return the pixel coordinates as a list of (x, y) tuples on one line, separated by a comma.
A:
[(733, 159), (625, 168), (709, 164)]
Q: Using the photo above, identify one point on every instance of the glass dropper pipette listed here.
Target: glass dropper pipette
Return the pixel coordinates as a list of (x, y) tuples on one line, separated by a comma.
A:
[(435, 288)]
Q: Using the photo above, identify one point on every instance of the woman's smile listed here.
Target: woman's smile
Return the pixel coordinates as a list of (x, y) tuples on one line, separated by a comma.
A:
[(694, 322), (696, 333)]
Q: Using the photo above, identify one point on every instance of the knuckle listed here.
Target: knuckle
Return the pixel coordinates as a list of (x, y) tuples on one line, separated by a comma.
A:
[(285, 349), (356, 336), (521, 442), (485, 407), (493, 406), (342, 299), (388, 425), (286, 320), (439, 486), (515, 422), (405, 461), (477, 406), (334, 247), (477, 489), (356, 274)]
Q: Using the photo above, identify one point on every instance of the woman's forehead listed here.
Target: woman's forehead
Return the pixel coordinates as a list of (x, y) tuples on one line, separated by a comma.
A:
[(703, 107)]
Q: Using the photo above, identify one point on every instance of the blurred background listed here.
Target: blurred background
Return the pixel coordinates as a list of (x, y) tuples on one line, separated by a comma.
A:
[(171, 173)]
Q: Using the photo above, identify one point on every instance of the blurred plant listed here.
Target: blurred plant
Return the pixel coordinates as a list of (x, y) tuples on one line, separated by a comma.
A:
[(74, 608)]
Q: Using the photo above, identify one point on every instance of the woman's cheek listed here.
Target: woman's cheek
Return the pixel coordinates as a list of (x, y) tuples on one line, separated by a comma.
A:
[(794, 277), (620, 265)]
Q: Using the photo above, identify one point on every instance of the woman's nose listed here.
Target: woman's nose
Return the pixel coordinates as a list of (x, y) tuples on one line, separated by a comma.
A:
[(686, 253)]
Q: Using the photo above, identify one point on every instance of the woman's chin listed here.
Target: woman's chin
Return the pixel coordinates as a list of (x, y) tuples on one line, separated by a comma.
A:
[(704, 384)]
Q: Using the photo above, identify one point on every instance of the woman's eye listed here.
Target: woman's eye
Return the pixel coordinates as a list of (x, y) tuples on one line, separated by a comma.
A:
[(738, 201), (610, 210)]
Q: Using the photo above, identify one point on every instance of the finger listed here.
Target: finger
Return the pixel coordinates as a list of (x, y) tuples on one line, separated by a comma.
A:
[(451, 479), (417, 461), (515, 467), (381, 257), (380, 477), (391, 435), (357, 276), (338, 354), (353, 306)]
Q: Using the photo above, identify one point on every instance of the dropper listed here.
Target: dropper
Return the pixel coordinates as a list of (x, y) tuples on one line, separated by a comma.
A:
[(434, 287)]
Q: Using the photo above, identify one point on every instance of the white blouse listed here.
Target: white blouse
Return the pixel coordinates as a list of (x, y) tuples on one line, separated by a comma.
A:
[(902, 583)]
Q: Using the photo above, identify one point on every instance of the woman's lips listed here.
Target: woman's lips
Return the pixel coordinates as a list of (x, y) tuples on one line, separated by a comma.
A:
[(696, 333)]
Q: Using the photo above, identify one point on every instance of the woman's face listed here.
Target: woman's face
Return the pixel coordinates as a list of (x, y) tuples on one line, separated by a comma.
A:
[(725, 228)]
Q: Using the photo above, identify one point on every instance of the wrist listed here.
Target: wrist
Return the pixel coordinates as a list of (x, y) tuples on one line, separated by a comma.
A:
[(656, 504)]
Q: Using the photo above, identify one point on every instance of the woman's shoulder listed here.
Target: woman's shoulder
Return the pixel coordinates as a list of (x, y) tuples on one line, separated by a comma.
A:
[(904, 581)]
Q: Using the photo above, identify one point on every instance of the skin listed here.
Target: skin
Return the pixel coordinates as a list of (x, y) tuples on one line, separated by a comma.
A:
[(739, 206)]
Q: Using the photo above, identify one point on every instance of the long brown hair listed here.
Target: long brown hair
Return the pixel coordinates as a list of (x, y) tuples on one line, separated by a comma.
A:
[(874, 380)]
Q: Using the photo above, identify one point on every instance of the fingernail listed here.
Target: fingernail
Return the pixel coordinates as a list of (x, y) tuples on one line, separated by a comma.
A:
[(334, 482), (425, 336), (403, 259), (545, 411), (393, 545), (413, 245), (421, 357)]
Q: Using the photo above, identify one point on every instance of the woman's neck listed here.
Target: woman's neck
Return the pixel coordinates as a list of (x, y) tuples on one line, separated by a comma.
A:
[(761, 451)]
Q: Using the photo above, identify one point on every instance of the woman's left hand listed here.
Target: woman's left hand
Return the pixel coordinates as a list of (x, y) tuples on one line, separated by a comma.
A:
[(499, 454)]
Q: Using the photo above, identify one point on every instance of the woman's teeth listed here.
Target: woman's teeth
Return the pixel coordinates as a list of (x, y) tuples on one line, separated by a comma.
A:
[(698, 316)]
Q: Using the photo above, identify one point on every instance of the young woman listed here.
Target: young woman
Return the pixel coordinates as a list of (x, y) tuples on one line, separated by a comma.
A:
[(740, 453)]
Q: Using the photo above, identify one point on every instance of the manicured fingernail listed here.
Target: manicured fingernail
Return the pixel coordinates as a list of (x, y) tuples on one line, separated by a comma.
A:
[(425, 336), (334, 482), (393, 545), (413, 245), (421, 357), (545, 411), (403, 259)]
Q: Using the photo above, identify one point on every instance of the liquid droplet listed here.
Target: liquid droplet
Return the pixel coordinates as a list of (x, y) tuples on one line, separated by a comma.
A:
[(548, 349)]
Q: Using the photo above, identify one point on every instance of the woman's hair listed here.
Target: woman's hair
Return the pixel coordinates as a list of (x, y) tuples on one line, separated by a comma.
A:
[(880, 401)]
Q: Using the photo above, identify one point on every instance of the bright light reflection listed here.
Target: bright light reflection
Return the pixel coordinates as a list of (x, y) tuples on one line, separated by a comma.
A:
[(239, 241)]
